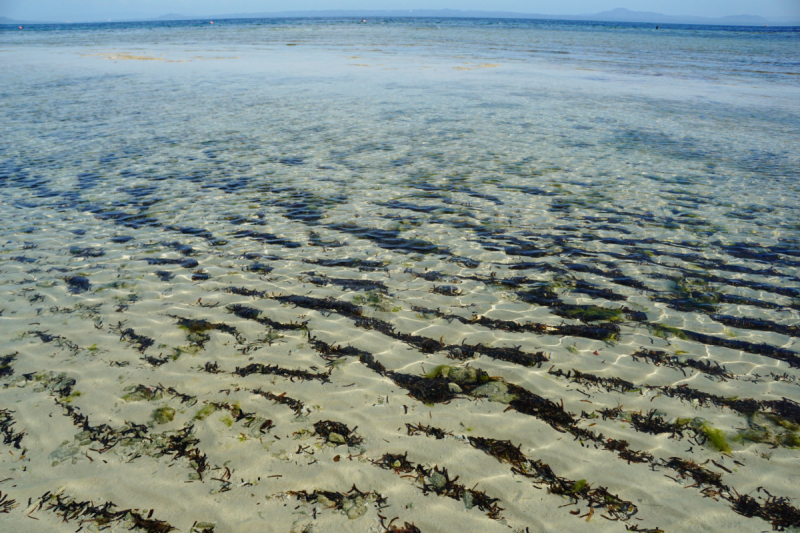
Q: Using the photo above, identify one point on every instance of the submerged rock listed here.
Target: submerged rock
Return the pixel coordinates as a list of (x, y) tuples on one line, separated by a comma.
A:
[(335, 438), (437, 480), (496, 391), (468, 501), (354, 507)]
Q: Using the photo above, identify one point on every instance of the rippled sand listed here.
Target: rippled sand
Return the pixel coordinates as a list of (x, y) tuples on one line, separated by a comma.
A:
[(282, 293)]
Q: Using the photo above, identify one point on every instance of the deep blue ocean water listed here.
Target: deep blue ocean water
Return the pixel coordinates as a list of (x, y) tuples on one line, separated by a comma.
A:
[(680, 50)]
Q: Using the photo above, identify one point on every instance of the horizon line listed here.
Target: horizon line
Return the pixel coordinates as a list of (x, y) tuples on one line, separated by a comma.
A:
[(613, 15)]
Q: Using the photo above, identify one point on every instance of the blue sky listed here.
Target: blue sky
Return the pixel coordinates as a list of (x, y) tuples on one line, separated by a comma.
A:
[(105, 9)]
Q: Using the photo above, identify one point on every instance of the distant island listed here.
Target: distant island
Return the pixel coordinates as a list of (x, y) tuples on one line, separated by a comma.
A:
[(615, 15)]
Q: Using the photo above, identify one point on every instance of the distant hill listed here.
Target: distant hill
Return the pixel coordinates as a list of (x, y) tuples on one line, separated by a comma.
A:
[(6, 20), (174, 16), (615, 15), (625, 15)]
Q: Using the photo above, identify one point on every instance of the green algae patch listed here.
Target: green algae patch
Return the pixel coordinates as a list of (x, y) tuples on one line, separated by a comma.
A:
[(592, 313), (438, 371), (782, 422), (205, 412), (792, 440), (163, 415), (577, 487), (72, 396), (716, 438), (664, 332)]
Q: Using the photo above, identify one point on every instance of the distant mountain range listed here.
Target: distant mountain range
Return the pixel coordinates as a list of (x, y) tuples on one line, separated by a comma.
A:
[(615, 15)]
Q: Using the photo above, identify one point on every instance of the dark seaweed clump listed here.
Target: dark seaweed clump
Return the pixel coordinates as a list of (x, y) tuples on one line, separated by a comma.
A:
[(7, 429), (398, 463), (140, 342), (454, 351), (184, 398), (446, 290), (6, 369), (327, 304), (604, 332), (337, 433), (347, 263), (588, 313), (446, 383), (689, 469), (654, 424), (390, 239), (337, 500), (143, 392), (7, 505), (437, 480), (185, 263), (86, 252), (391, 528), (775, 510), (610, 384), (250, 419), (104, 434), (295, 405), (78, 284), (348, 284), (425, 344), (767, 350), (58, 339), (178, 444), (260, 268), (23, 259), (211, 368), (244, 291), (756, 324), (196, 330), (101, 515), (333, 352), (505, 452), (431, 391), (783, 410), (430, 431), (659, 358), (268, 238), (251, 313), (275, 370), (164, 275), (199, 275)]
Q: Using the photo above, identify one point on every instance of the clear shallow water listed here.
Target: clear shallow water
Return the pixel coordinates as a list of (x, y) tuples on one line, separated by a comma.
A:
[(516, 211)]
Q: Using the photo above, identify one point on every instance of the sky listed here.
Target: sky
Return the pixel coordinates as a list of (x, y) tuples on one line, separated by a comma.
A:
[(81, 10)]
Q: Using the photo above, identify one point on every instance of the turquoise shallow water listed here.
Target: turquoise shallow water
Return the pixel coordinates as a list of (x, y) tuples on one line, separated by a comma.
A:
[(227, 247)]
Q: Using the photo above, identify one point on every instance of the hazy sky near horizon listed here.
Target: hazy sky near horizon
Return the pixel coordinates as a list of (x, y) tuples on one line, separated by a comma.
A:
[(116, 9)]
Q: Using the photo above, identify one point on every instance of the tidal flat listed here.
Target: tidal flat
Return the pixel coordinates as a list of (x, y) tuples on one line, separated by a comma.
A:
[(404, 276)]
